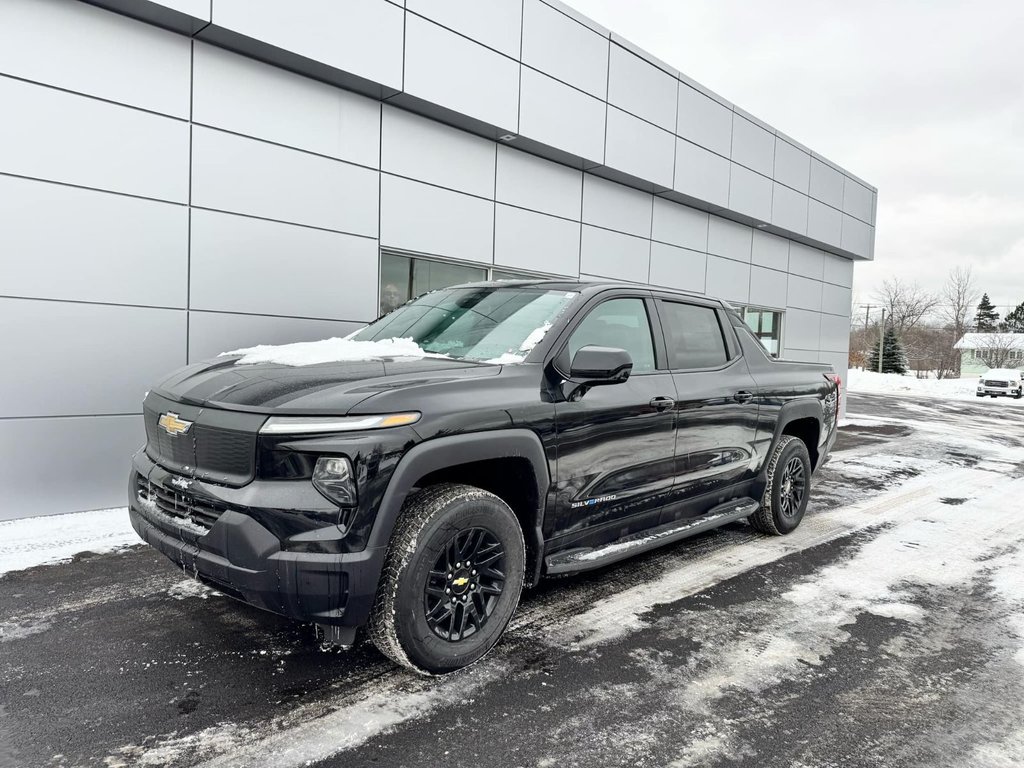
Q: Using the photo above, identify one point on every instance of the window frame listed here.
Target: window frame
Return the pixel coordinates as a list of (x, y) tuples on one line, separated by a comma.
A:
[(732, 348)]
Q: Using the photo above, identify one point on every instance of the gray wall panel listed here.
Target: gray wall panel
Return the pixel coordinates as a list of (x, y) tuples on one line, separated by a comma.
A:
[(804, 293), (256, 99), (826, 183), (430, 151), (857, 236), (835, 333), (838, 270), (704, 121), (211, 333), (329, 275), (639, 148), (701, 173), (729, 238), (96, 478), (750, 193), (60, 242), (678, 267), (495, 23), (641, 89), (447, 69), (614, 206), (610, 254), (768, 287), (836, 300), (536, 242), (92, 51), (419, 217), (680, 225), (728, 279), (824, 222), (531, 182), (363, 38), (789, 209), (857, 200), (802, 330), (54, 135), (792, 165), (561, 117), (68, 354), (770, 251), (752, 146), (564, 48), (233, 173), (806, 261)]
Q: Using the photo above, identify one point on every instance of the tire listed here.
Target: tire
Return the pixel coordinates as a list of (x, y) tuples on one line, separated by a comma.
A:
[(418, 620), (781, 511), (980, 394)]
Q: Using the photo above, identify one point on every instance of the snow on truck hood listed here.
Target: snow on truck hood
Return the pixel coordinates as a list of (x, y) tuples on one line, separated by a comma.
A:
[(347, 349)]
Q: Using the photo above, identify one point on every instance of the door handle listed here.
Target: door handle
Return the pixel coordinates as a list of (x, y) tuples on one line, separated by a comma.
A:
[(662, 403), (743, 396)]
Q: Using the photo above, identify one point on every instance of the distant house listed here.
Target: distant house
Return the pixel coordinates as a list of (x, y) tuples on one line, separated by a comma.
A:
[(982, 351)]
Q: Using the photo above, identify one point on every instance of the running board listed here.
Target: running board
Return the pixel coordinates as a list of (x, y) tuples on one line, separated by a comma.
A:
[(586, 558)]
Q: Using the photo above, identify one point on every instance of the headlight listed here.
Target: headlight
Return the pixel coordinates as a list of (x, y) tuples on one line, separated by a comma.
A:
[(334, 479), (304, 425)]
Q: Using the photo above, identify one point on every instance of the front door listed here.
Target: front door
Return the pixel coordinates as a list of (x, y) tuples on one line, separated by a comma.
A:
[(616, 444), (716, 411)]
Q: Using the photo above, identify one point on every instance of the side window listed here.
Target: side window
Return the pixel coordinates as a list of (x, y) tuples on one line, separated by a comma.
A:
[(620, 323), (693, 335)]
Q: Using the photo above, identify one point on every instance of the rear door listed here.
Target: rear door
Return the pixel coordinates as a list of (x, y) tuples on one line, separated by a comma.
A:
[(616, 443), (716, 408)]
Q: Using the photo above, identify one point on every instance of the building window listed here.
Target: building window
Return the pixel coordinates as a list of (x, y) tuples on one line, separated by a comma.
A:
[(405, 277), (767, 326)]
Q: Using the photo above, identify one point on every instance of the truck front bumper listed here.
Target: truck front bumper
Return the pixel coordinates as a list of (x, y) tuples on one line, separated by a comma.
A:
[(242, 558)]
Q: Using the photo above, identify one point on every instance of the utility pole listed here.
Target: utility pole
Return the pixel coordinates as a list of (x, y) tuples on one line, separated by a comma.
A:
[(881, 341), (867, 314)]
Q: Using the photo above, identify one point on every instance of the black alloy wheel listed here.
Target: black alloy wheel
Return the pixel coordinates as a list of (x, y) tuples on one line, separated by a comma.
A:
[(465, 584), (793, 486)]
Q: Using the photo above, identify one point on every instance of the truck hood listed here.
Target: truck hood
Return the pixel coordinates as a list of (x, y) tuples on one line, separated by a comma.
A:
[(327, 389)]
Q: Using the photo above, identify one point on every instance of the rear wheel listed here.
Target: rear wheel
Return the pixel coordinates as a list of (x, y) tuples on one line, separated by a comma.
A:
[(452, 579), (787, 490)]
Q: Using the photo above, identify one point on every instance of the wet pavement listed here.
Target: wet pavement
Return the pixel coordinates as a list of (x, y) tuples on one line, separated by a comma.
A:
[(887, 631)]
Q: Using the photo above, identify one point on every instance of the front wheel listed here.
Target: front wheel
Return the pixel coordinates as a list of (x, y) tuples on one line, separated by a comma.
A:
[(787, 490), (452, 579)]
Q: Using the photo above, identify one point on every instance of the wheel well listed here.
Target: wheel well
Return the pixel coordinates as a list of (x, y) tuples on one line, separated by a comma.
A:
[(514, 482), (808, 430)]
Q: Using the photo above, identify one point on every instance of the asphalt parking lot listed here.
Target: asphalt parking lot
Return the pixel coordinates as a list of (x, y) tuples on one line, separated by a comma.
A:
[(887, 631)]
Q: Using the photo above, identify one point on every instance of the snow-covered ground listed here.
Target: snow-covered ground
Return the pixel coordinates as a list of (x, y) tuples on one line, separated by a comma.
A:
[(869, 382), (57, 538)]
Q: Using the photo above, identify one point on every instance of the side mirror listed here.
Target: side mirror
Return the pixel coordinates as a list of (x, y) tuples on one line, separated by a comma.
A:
[(593, 366)]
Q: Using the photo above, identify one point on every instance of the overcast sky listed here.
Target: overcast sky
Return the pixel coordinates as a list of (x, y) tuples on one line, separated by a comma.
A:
[(924, 99)]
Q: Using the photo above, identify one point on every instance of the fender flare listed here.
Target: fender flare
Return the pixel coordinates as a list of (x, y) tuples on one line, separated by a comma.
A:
[(802, 408), (442, 452)]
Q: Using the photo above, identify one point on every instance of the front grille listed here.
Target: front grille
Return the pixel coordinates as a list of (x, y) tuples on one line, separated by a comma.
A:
[(213, 452), (993, 383), (179, 505)]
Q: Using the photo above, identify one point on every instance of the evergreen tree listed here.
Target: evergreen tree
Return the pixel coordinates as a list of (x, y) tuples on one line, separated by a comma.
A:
[(894, 360), (986, 319), (1014, 321)]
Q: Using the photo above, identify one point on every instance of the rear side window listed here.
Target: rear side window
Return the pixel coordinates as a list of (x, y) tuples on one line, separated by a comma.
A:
[(618, 323), (693, 335)]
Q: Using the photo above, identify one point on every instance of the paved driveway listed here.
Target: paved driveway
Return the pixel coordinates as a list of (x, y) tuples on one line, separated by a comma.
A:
[(887, 631)]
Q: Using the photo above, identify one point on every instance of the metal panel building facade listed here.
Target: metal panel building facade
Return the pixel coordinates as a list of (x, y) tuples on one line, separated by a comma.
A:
[(185, 177)]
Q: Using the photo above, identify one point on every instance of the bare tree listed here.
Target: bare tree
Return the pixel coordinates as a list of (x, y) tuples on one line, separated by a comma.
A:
[(957, 302), (906, 304)]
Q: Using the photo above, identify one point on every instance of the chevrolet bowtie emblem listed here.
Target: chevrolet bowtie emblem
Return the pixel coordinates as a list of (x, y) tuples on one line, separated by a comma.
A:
[(461, 582), (172, 425)]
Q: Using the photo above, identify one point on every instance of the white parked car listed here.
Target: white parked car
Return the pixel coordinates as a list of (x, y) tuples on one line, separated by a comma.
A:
[(1001, 381)]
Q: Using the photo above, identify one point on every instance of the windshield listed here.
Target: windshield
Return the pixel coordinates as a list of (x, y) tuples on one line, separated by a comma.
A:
[(489, 324)]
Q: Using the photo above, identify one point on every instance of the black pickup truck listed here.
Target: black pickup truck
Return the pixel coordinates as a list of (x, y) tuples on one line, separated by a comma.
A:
[(413, 478)]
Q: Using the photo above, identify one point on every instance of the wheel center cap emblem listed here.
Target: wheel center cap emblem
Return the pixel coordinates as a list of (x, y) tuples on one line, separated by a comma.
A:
[(460, 583)]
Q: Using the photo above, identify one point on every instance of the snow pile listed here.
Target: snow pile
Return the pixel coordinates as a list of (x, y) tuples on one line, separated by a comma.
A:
[(531, 341), (333, 350), (894, 383), (56, 538)]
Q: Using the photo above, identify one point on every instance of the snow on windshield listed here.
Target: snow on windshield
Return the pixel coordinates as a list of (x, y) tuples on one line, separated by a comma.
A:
[(329, 351), (531, 341)]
